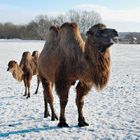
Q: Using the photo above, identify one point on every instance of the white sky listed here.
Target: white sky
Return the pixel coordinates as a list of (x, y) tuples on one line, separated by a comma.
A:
[(125, 18)]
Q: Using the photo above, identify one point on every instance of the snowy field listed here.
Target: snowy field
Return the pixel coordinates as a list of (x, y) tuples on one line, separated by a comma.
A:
[(113, 114)]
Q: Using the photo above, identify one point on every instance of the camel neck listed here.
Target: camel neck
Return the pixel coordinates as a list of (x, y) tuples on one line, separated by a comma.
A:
[(99, 64), (18, 74)]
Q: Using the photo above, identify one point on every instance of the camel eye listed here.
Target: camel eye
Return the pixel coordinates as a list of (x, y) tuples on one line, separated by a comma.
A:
[(89, 32), (102, 31), (99, 33)]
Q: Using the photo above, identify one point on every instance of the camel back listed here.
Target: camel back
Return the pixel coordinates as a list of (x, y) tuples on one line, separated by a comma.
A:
[(71, 43), (29, 62), (71, 48), (35, 56)]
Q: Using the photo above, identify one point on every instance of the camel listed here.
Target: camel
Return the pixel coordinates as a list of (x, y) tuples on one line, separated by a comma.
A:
[(25, 70), (66, 58)]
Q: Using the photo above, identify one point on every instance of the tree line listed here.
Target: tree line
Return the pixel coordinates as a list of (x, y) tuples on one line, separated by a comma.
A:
[(133, 38), (38, 27), (129, 37)]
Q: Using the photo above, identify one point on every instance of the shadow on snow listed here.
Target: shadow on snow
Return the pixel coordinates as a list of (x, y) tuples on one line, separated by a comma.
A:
[(27, 131), (31, 130)]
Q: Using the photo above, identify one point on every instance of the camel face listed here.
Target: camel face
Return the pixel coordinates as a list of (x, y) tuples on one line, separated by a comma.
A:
[(102, 37), (11, 66)]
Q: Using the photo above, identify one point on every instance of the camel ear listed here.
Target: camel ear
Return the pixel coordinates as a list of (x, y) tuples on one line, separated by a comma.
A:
[(14, 62), (89, 32)]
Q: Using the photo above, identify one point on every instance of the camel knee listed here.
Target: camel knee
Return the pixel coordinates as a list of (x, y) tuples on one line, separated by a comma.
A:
[(63, 103), (83, 88), (79, 102)]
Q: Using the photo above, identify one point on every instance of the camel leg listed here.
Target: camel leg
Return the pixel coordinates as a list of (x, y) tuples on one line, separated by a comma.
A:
[(38, 82), (62, 91), (46, 112), (28, 87), (25, 84), (82, 90), (48, 98)]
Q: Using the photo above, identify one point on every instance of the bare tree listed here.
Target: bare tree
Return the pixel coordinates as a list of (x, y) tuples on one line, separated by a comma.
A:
[(59, 20), (38, 28), (43, 25), (84, 19)]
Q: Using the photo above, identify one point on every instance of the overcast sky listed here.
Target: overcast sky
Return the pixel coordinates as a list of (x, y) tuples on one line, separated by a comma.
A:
[(124, 15)]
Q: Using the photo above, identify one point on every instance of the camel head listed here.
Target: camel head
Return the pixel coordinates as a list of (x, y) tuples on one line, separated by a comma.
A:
[(16, 71), (102, 37), (11, 66)]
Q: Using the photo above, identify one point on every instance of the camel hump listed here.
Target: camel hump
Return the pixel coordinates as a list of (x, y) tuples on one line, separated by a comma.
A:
[(52, 34), (35, 54), (70, 40), (69, 25), (54, 28), (69, 28), (26, 55)]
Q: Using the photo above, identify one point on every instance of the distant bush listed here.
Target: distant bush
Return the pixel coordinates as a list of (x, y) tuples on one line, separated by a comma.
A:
[(38, 27)]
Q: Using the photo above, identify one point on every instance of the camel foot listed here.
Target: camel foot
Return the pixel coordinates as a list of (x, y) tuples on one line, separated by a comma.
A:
[(54, 117), (27, 97), (46, 115), (62, 124), (82, 123), (35, 92)]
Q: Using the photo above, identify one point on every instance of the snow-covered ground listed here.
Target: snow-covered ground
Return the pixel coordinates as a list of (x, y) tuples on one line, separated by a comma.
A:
[(113, 113)]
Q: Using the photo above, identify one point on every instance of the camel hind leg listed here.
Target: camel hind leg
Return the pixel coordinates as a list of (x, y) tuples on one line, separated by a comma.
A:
[(28, 87), (25, 84), (48, 99), (82, 90), (38, 82)]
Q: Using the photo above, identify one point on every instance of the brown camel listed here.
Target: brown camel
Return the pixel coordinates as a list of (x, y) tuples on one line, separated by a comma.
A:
[(66, 58), (25, 70)]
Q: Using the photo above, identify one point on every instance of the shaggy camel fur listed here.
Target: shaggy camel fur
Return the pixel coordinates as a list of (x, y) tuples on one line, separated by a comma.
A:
[(66, 58), (25, 70)]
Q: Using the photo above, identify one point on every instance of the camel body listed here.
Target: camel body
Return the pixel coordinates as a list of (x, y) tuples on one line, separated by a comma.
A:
[(66, 58), (25, 70)]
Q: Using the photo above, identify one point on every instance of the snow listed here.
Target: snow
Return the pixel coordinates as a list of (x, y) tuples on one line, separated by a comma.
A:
[(113, 113)]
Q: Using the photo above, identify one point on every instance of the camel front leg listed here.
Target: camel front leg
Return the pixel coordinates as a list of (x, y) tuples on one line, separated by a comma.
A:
[(62, 119), (82, 90), (48, 99), (62, 91), (28, 88)]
